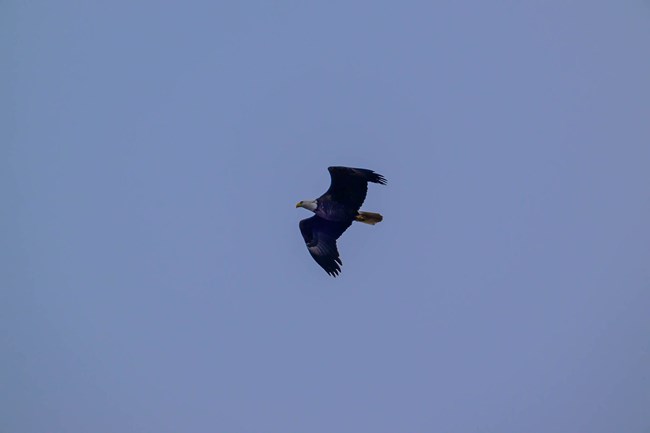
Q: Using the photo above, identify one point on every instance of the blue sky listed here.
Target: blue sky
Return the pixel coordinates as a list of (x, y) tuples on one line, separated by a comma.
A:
[(153, 275)]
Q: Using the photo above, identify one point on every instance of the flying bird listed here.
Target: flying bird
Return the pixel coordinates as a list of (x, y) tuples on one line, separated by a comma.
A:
[(334, 213)]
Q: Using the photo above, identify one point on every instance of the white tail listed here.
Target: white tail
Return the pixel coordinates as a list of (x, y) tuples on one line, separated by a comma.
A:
[(368, 218)]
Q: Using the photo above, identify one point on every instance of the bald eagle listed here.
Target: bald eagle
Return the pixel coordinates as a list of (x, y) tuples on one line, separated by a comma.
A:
[(335, 211)]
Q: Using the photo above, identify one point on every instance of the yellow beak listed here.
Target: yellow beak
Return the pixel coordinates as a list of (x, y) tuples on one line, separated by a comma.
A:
[(299, 204)]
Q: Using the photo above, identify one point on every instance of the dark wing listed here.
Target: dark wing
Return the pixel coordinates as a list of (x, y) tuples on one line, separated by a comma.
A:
[(350, 185), (320, 236)]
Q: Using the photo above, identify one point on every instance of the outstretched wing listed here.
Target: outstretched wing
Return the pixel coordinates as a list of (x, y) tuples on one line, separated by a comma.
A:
[(350, 185), (320, 236)]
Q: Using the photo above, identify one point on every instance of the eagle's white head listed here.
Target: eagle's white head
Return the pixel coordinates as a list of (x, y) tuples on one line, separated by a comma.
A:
[(308, 204)]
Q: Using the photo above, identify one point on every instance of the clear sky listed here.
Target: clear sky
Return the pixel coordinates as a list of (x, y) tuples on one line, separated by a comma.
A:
[(153, 275)]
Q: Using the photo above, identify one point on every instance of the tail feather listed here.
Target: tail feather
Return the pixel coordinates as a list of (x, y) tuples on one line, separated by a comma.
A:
[(371, 218)]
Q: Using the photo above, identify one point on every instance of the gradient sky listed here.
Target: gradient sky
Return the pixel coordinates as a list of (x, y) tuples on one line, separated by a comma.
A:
[(153, 275)]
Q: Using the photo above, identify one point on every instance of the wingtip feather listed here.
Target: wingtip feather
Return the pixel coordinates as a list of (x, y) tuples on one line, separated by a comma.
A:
[(378, 178)]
